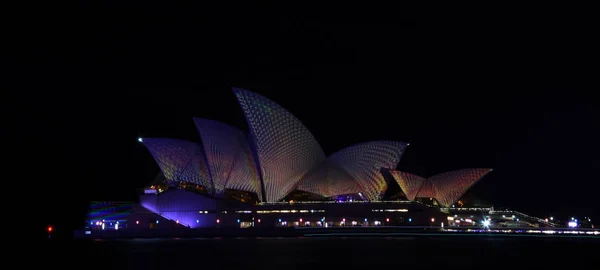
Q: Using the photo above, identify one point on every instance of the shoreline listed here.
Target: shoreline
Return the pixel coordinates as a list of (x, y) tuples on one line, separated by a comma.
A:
[(184, 233)]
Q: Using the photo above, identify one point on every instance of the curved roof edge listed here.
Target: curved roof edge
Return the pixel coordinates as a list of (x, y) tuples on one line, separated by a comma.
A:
[(180, 160), (228, 156), (452, 185), (409, 183)]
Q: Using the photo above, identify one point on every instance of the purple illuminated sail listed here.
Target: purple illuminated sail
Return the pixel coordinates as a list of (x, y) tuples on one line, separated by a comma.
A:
[(229, 158), (180, 160)]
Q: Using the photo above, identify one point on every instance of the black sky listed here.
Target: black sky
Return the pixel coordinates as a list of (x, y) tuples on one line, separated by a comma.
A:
[(515, 95)]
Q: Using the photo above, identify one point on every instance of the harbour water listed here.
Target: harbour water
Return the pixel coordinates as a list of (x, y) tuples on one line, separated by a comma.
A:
[(422, 252)]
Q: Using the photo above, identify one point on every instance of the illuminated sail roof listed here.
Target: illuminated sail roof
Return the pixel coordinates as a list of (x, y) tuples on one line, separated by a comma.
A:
[(409, 183), (328, 180), (445, 187), (279, 154), (180, 160), (450, 186), (364, 162), (355, 169), (228, 156), (284, 149), (427, 190)]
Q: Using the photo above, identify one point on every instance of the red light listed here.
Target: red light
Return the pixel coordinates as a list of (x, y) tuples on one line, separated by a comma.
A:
[(387, 220), (218, 221), (50, 229), (259, 220)]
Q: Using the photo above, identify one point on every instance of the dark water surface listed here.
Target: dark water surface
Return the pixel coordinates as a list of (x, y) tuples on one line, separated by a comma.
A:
[(336, 253)]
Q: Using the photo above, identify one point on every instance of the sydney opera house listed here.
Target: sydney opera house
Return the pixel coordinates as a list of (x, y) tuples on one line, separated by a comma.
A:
[(277, 175)]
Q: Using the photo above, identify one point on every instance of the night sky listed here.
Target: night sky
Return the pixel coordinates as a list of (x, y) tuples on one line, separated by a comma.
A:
[(507, 94)]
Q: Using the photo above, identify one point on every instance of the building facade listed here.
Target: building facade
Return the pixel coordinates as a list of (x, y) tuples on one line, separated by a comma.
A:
[(232, 178)]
